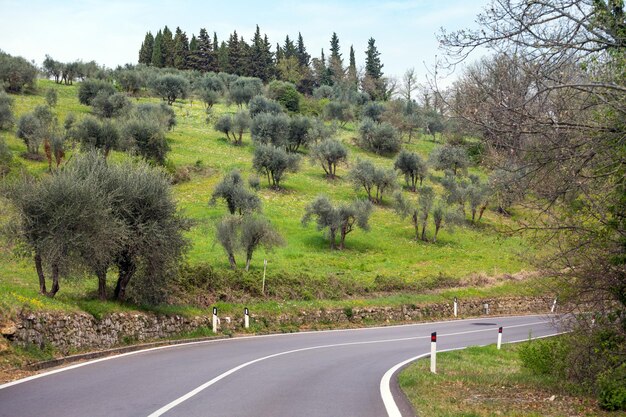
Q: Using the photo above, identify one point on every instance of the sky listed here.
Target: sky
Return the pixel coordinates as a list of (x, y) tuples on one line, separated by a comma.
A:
[(110, 32)]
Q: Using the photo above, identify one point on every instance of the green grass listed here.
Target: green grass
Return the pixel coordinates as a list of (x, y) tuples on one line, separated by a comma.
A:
[(482, 381), (387, 250)]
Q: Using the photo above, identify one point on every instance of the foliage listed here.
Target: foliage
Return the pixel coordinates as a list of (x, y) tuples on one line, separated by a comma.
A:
[(412, 166), (298, 136), (451, 158), (52, 97), (285, 93), (274, 163), (246, 233), (372, 178), (373, 110), (328, 154), (340, 111), (160, 113), (89, 89), (110, 105), (170, 87), (379, 138), (270, 129), (146, 138), (243, 89), (260, 104), (6, 112), (93, 134), (238, 198), (339, 220), (17, 75)]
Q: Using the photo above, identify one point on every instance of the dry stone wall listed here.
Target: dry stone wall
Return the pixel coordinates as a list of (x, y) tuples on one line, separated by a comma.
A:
[(67, 332)]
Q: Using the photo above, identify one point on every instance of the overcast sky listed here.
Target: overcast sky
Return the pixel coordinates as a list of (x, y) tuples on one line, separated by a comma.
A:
[(110, 32)]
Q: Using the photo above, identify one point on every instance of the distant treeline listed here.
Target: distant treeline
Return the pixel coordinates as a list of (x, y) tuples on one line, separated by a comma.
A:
[(287, 62)]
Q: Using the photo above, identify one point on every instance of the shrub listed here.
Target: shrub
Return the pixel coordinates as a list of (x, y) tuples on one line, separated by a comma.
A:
[(6, 112), (17, 74), (110, 105), (52, 97), (244, 88), (340, 111), (545, 356), (170, 87), (271, 129), (147, 138), (611, 386), (260, 104), (286, 94), (161, 113), (89, 89), (379, 138)]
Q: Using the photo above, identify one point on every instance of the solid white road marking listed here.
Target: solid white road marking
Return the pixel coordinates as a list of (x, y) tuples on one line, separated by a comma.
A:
[(218, 378), (121, 355)]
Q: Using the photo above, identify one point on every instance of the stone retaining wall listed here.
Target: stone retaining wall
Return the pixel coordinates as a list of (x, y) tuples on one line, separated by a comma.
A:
[(81, 331)]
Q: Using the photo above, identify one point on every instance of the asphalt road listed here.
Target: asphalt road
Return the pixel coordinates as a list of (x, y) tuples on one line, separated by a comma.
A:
[(331, 373)]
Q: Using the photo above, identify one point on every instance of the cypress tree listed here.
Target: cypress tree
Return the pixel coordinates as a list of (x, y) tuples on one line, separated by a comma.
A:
[(167, 47), (145, 53), (157, 51), (289, 49), (222, 57), (352, 76), (199, 51), (373, 66), (335, 63), (234, 54), (181, 49), (280, 54), (269, 57), (303, 57), (260, 58), (245, 57)]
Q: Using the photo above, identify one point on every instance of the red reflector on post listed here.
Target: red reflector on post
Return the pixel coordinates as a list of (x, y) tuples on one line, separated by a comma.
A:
[(433, 337), (500, 330)]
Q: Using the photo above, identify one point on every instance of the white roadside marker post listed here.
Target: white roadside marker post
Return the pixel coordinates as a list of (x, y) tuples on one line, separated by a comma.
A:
[(246, 318), (264, 268), (433, 352), (499, 338), (456, 307), (486, 306), (553, 306), (214, 320)]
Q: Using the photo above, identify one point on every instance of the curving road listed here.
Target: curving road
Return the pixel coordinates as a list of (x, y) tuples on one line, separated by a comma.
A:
[(331, 373)]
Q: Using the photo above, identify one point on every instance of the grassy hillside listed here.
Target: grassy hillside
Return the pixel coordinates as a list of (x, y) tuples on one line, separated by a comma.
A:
[(387, 250)]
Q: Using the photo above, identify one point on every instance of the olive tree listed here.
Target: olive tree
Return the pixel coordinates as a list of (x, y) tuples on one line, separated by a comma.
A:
[(110, 105), (448, 157), (328, 154), (243, 89), (170, 87), (257, 231), (93, 134), (146, 138), (340, 111), (419, 212), (374, 180), (260, 104), (412, 167), (209, 88), (298, 136), (381, 138), (238, 198), (339, 220), (270, 129), (89, 89), (274, 163)]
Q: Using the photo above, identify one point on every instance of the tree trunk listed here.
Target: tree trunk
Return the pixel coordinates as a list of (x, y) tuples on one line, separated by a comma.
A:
[(424, 232), (436, 232), (231, 260), (40, 274), (416, 226), (473, 215), (127, 269), (482, 210), (332, 234), (55, 280), (102, 284)]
